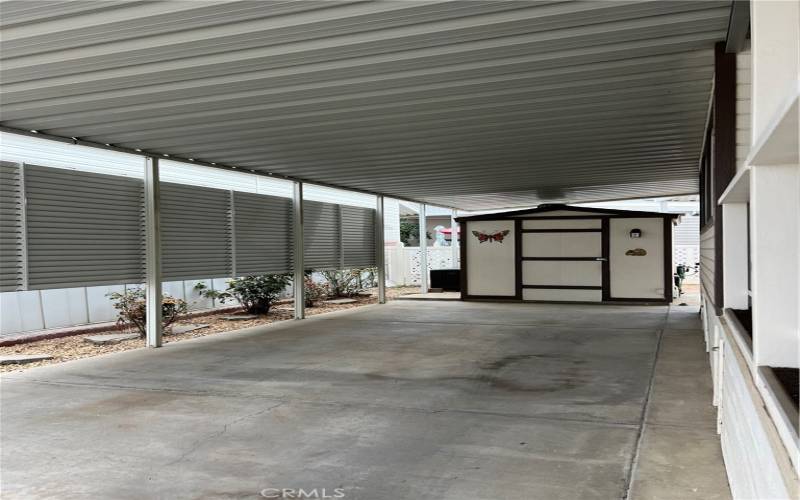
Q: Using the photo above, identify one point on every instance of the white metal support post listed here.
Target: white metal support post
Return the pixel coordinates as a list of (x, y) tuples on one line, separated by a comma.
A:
[(454, 238), (423, 250), (152, 252), (299, 266), (380, 250)]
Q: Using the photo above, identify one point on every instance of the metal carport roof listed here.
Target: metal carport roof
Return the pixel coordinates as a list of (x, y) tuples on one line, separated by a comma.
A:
[(468, 104)]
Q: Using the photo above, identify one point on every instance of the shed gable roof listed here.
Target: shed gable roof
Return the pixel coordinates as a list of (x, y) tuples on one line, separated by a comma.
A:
[(558, 207)]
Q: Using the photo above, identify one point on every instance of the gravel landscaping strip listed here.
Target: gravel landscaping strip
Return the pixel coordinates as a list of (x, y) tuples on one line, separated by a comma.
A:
[(76, 347)]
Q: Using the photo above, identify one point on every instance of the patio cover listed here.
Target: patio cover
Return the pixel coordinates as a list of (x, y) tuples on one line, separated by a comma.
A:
[(473, 105)]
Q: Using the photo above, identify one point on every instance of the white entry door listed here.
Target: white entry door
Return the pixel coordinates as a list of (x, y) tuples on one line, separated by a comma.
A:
[(563, 259)]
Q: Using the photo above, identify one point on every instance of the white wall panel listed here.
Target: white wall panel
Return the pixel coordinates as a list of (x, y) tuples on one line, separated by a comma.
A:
[(194, 299), (21, 311), (569, 273), (64, 307), (491, 267), (100, 306), (173, 289), (562, 245), (562, 295), (54, 154), (562, 224), (637, 276)]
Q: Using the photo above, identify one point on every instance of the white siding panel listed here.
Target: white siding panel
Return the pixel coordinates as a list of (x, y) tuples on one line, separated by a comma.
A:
[(752, 469), (707, 259), (687, 233), (23, 149), (743, 102), (562, 224)]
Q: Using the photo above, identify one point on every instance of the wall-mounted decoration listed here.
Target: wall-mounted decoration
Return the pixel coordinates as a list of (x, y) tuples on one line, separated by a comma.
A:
[(637, 252), (498, 236), (636, 233)]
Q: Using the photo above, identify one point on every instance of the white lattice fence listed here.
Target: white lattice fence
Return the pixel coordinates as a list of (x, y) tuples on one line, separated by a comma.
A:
[(406, 268), (686, 255)]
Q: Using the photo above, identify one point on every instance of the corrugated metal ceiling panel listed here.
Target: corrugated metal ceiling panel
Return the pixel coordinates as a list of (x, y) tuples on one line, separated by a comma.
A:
[(468, 104)]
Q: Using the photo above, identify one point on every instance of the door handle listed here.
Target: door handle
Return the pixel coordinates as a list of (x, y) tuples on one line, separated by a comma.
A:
[(602, 259)]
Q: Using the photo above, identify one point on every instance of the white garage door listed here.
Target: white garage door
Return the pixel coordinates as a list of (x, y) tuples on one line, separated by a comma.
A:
[(563, 259)]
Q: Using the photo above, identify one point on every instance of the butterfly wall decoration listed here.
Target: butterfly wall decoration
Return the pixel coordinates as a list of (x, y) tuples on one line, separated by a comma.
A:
[(498, 236)]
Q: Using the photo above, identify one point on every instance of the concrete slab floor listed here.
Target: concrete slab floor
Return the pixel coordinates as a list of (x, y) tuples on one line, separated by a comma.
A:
[(411, 399)]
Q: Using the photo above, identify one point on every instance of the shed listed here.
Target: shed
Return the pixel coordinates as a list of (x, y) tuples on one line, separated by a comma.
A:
[(558, 253)]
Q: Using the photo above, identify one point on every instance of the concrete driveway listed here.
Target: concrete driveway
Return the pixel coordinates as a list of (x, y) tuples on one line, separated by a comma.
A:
[(412, 399)]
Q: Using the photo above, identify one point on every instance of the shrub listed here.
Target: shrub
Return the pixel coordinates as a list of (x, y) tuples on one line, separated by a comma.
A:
[(314, 292), (255, 293), (349, 282), (132, 309)]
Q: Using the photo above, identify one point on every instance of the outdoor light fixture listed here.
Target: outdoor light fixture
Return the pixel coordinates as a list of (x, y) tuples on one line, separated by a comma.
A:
[(34, 131), (138, 150), (636, 233)]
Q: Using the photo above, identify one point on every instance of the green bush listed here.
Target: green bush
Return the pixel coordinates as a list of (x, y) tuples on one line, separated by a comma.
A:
[(349, 282), (255, 293), (132, 309), (314, 292)]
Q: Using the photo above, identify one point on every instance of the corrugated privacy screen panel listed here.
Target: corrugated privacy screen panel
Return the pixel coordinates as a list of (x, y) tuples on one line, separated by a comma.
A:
[(11, 268), (322, 235), (83, 229), (195, 232), (262, 234), (358, 236)]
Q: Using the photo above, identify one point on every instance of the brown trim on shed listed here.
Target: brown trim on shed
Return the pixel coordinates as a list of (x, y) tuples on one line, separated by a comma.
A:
[(723, 157), (518, 257), (503, 298), (606, 253), (605, 258), (667, 260), (581, 213), (463, 264)]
